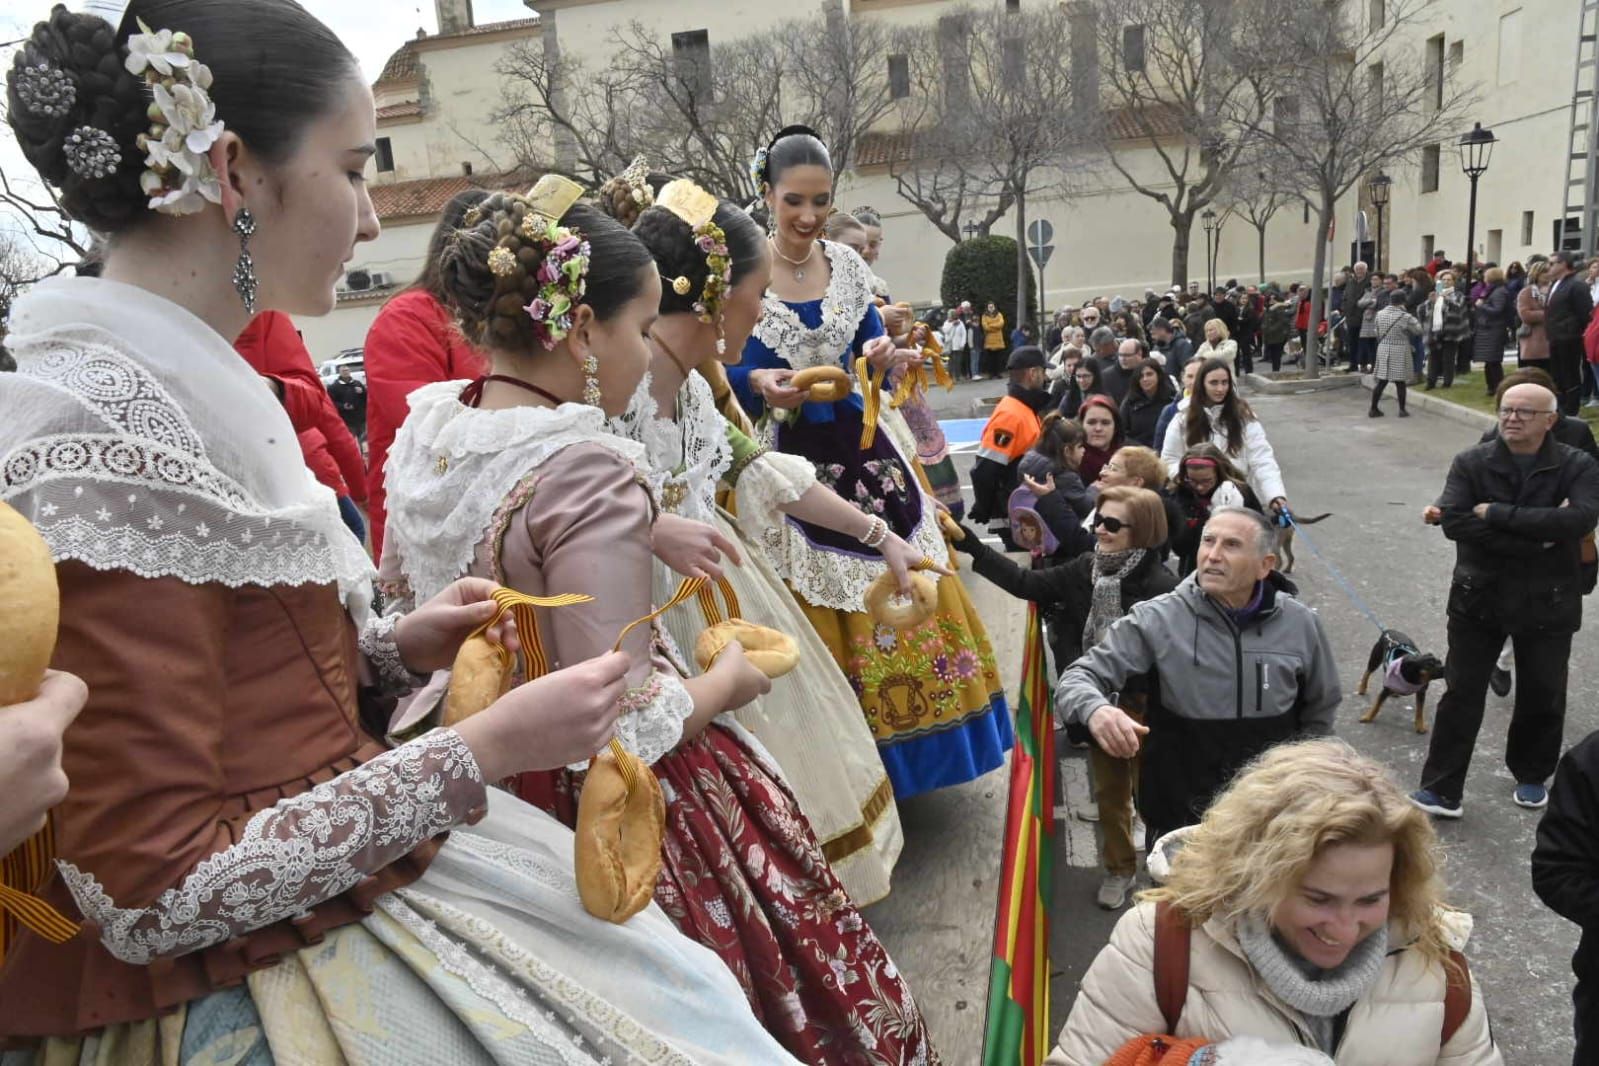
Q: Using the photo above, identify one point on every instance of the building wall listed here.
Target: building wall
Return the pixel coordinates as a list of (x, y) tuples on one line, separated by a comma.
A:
[(1526, 100), (400, 250)]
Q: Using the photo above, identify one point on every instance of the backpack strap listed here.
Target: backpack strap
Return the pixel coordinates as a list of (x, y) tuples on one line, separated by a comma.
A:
[(1457, 995), (1172, 943)]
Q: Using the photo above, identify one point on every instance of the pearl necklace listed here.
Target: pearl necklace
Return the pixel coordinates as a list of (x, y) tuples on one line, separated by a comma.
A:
[(797, 264)]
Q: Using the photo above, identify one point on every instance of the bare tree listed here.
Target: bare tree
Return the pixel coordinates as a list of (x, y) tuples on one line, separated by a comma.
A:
[(1257, 188), (1183, 83), (1358, 100), (50, 238)]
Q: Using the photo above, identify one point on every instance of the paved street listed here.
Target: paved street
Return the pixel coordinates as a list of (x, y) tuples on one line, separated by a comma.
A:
[(1375, 475)]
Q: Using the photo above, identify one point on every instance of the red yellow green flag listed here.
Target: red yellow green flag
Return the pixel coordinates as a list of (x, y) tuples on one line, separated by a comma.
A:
[(1017, 1032)]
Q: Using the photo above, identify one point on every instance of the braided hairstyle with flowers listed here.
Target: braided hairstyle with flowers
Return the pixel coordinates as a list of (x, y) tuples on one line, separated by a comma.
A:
[(514, 278)]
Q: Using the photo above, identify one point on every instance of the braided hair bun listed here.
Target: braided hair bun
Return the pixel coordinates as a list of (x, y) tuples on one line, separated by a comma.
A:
[(66, 78)]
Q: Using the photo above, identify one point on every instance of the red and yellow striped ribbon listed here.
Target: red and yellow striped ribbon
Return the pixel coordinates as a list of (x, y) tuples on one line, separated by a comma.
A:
[(22, 872)]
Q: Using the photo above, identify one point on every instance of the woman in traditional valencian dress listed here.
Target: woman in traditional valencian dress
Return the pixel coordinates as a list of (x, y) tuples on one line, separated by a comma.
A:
[(930, 694), (516, 478), (263, 883), (809, 721)]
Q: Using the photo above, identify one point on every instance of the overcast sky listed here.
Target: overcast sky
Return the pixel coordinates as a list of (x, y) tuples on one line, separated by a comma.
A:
[(372, 29)]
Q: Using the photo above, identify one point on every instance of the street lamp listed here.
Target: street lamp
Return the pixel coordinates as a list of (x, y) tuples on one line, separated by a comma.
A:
[(971, 230), (1476, 148), (1379, 187), (1208, 217)]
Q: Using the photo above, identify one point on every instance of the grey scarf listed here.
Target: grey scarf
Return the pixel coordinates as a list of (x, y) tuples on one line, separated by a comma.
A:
[(1106, 608), (1319, 995)]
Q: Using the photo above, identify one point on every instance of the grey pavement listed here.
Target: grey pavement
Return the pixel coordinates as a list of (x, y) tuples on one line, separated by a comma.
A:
[(1375, 475)]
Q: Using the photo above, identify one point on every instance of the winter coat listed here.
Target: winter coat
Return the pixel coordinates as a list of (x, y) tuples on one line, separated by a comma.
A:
[(1490, 323), (1368, 313), (1354, 289), (1140, 412), (1177, 354), (1529, 308), (1456, 322), (1068, 485), (1192, 512), (1226, 351), (1278, 324), (993, 332), (1397, 1022), (1167, 414), (1395, 327), (1565, 860), (412, 342), (954, 333), (1568, 309), (1225, 694), (1255, 460)]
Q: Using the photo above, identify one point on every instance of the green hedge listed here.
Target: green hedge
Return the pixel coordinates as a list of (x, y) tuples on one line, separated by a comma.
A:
[(984, 269)]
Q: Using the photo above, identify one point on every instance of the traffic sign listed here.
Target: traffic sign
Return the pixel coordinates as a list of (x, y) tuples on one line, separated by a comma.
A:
[(1040, 254), (1040, 231)]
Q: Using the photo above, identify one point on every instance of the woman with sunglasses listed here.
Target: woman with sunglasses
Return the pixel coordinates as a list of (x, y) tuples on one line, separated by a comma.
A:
[(1090, 594)]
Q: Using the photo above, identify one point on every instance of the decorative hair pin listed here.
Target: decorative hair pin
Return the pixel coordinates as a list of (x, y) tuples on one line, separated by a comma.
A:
[(563, 272), (637, 179), (758, 170), (697, 208), (91, 152), (183, 122), (552, 197), (45, 90)]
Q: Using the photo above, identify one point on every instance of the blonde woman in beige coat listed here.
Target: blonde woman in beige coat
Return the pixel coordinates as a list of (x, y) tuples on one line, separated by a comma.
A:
[(1219, 343), (1315, 905)]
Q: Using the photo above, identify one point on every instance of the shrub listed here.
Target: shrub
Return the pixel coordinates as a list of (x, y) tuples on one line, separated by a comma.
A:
[(984, 269)]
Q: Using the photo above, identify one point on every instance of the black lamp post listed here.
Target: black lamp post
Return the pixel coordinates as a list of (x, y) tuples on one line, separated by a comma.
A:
[(1476, 148), (971, 230), (1379, 187), (1208, 217)]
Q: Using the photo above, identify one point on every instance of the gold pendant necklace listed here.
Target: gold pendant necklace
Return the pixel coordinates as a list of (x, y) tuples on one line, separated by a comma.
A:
[(798, 264)]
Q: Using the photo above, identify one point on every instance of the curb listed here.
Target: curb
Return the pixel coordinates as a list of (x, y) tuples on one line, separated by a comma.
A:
[(1454, 412), (1295, 386)]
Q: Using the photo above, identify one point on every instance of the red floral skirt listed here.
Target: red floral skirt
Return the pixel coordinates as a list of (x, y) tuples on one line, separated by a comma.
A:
[(744, 876)]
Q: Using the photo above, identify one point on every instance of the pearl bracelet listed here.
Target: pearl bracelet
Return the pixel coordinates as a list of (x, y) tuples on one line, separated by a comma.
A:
[(876, 534)]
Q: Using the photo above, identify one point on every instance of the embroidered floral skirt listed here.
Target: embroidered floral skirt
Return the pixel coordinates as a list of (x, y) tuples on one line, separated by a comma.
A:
[(744, 876), (932, 452), (488, 958)]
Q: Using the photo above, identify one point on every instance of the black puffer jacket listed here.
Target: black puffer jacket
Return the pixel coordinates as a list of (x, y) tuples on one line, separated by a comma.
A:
[(1519, 567), (1565, 860)]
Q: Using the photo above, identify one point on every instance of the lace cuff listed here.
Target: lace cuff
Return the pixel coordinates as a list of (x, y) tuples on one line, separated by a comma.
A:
[(377, 644), (772, 480), (651, 722), (297, 854)]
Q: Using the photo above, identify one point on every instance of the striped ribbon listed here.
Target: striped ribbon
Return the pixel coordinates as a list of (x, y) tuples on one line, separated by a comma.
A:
[(27, 866), (714, 613), (688, 589), (872, 396)]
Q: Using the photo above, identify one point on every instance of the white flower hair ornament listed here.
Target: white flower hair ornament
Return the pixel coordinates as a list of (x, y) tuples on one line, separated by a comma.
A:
[(183, 122)]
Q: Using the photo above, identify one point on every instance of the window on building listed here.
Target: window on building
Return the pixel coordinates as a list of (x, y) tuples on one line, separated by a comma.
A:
[(1510, 48), (385, 156), (1013, 60), (1379, 14), (1526, 228), (1572, 241), (954, 32), (1429, 168), (1305, 214), (899, 76), (1435, 72), (1284, 113), (466, 168), (1013, 5), (1496, 246), (1457, 55), (1428, 244), (692, 51), (1133, 49), (1374, 87)]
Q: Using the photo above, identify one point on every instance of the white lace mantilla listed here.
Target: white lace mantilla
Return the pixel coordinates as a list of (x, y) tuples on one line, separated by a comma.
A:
[(164, 461), (688, 454), (848, 294), (451, 466), (298, 853)]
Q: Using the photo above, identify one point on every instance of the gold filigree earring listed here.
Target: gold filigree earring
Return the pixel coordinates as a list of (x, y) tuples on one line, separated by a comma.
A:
[(591, 381)]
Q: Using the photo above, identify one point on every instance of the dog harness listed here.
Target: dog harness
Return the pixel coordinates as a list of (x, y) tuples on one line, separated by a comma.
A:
[(1393, 679)]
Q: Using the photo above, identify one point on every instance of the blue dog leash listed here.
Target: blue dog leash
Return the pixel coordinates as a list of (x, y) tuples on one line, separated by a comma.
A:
[(1286, 520)]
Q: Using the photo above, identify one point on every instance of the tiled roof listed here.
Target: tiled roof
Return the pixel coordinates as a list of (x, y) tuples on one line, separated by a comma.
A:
[(881, 149), (1165, 120), (405, 110), (427, 196), (402, 65)]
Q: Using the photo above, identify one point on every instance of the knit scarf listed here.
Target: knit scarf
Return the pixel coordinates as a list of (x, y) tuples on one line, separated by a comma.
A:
[(1319, 995), (1106, 608)]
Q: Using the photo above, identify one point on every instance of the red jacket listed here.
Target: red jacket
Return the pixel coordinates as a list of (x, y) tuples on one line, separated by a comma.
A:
[(272, 346), (1590, 337), (413, 342)]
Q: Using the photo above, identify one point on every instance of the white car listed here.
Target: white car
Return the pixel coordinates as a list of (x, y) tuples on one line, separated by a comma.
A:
[(355, 360)]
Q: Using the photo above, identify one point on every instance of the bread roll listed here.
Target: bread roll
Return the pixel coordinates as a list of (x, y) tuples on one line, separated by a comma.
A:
[(772, 653), (481, 675), (30, 608), (618, 838), (887, 607), (826, 384)]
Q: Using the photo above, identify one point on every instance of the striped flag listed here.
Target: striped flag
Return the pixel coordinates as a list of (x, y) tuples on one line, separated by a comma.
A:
[(1017, 1032)]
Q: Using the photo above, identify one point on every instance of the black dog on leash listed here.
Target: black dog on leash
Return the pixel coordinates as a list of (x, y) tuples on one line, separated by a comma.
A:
[(1406, 671)]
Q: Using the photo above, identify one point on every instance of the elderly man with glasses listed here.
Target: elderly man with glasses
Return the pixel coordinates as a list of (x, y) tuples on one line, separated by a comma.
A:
[(1517, 508)]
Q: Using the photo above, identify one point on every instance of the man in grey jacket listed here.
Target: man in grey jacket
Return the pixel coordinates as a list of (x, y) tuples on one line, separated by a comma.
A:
[(1239, 665)]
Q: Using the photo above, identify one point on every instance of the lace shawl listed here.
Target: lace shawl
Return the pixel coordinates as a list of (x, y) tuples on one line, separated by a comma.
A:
[(135, 438), (843, 303)]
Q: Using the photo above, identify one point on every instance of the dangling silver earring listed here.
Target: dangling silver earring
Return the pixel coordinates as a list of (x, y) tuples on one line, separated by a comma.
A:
[(591, 381), (244, 281)]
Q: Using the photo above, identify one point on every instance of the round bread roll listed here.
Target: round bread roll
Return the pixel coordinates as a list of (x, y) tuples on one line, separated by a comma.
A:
[(618, 838), (826, 384), (772, 653), (952, 529), (481, 675), (32, 608), (887, 607)]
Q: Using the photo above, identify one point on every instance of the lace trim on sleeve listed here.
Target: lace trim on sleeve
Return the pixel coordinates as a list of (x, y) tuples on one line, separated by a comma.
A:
[(377, 643), (651, 722), (771, 480), (297, 854)]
